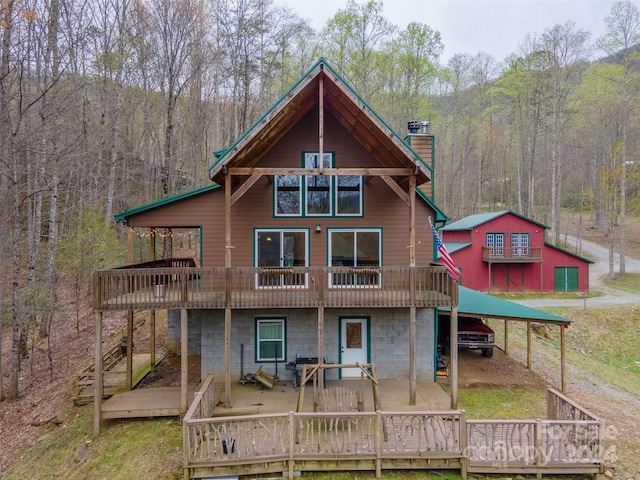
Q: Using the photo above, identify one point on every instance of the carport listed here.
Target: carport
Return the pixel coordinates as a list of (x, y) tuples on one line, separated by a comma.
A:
[(472, 303)]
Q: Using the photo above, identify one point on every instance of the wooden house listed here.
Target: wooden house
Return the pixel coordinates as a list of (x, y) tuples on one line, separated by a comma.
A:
[(507, 252), (313, 244)]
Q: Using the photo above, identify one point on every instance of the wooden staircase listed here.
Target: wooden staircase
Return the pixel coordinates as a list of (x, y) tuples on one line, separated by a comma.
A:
[(114, 374)]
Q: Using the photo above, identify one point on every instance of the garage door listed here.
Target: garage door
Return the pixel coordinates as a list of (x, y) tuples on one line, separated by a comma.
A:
[(565, 279)]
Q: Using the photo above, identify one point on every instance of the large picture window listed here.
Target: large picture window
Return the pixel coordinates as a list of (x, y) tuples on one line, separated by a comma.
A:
[(270, 339), (361, 251), (318, 195)]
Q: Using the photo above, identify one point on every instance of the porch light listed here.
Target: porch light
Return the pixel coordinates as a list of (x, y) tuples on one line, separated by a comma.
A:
[(318, 228)]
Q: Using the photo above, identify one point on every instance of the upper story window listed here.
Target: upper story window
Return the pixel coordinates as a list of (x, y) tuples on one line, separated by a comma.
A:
[(318, 187), (318, 195), (520, 244), (495, 242)]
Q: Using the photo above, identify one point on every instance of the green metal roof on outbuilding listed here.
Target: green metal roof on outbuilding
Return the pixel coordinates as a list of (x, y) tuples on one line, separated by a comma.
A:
[(555, 247), (472, 221), (474, 303)]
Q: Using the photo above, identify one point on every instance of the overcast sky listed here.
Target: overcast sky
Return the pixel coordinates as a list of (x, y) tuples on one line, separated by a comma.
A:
[(471, 26)]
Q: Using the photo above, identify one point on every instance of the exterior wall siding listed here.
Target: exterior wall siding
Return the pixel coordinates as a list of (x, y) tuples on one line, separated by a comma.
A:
[(382, 207), (389, 338)]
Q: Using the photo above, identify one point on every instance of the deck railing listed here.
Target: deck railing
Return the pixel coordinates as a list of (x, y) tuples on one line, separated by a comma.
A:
[(295, 287), (561, 407), (387, 440), (534, 446), (511, 254), (323, 441)]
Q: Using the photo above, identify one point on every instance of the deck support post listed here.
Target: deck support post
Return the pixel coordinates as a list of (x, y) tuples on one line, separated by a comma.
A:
[(227, 310), (321, 340), (412, 354), (184, 359), (129, 357), (412, 290), (97, 380), (506, 337), (453, 335), (152, 340), (563, 379), (528, 345), (227, 357)]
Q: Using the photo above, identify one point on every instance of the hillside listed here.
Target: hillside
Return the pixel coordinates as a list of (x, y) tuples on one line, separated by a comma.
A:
[(45, 409)]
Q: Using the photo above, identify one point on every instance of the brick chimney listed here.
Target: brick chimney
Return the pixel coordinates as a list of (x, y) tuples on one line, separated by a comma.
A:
[(421, 141)]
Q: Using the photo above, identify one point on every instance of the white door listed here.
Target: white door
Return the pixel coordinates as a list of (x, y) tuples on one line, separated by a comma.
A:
[(354, 346)]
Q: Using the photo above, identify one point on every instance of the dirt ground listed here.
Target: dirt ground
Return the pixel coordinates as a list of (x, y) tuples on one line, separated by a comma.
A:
[(474, 370)]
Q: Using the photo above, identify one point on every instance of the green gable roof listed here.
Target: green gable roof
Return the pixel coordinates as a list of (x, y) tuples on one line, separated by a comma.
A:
[(472, 221), (124, 216), (568, 252), (472, 302)]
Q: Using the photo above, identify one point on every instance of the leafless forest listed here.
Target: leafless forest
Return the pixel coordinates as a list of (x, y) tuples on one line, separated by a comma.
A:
[(106, 105)]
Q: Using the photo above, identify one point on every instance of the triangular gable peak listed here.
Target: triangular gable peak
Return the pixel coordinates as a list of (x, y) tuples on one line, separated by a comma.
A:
[(324, 88)]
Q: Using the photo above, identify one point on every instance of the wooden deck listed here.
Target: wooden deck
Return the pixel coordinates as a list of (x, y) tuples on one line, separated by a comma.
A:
[(299, 287), (115, 377), (144, 402)]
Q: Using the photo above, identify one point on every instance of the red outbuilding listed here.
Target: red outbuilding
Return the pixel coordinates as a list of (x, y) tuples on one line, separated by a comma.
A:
[(506, 252)]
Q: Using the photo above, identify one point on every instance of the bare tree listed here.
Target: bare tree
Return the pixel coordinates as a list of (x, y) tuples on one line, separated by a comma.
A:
[(623, 33), (566, 48)]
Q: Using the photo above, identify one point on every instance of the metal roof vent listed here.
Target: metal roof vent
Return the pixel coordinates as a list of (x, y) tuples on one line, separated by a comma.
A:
[(416, 126)]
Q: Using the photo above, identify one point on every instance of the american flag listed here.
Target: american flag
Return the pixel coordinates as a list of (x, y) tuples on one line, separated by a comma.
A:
[(452, 270)]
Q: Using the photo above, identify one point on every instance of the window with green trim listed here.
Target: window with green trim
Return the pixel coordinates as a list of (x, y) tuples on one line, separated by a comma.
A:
[(270, 339), (318, 187), (317, 195)]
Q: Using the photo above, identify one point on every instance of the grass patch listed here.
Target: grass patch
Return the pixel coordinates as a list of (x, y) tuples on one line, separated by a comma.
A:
[(547, 296), (603, 342), (140, 449), (483, 402), (628, 282)]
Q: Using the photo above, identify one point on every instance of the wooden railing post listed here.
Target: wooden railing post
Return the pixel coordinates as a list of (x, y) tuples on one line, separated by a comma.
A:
[(292, 444), (464, 442), (378, 443)]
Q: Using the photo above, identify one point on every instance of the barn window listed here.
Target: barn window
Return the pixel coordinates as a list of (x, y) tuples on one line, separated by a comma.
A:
[(495, 243)]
